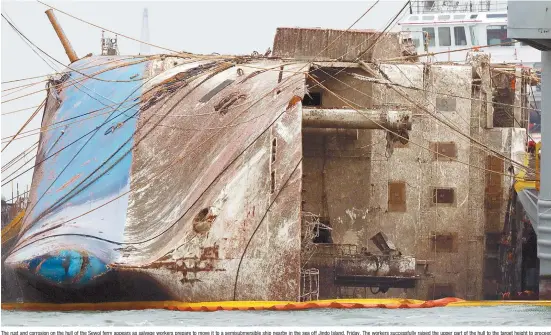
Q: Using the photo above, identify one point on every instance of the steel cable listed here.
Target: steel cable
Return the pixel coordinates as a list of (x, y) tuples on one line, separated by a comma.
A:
[(177, 220)]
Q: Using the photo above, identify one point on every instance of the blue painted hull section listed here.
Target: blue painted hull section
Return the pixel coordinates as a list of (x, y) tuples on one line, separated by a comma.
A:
[(66, 259), (68, 267), (170, 218)]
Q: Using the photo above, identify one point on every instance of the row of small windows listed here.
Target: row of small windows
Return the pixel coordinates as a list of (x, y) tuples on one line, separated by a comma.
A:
[(495, 35), (444, 37), (397, 197), (456, 17), (442, 17)]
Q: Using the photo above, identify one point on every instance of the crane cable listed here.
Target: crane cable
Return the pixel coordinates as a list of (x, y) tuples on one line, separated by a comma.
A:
[(329, 44), (18, 157), (348, 102), (170, 165), (390, 24), (386, 84), (70, 68), (82, 68), (113, 32), (25, 124)]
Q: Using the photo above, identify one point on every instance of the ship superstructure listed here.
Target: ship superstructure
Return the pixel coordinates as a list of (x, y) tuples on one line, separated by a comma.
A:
[(323, 171), (448, 30)]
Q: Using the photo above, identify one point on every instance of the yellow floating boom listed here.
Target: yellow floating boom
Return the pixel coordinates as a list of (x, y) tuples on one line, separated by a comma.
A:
[(12, 229), (265, 305)]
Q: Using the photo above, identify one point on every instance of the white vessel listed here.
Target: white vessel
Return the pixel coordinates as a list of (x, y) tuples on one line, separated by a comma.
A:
[(438, 26)]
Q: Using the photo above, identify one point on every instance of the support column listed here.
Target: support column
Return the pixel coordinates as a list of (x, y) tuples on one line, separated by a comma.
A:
[(544, 201)]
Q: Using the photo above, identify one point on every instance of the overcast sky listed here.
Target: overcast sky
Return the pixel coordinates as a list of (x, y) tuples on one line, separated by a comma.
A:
[(202, 27)]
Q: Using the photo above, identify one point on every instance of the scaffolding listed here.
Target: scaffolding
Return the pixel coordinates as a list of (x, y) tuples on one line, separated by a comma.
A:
[(309, 284)]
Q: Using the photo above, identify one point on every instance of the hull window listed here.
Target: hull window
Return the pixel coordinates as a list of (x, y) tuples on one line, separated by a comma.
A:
[(428, 33), (497, 35), (444, 36), (459, 35), (474, 41), (496, 16)]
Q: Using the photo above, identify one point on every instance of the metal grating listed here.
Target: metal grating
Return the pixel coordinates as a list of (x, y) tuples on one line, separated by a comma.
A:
[(309, 285)]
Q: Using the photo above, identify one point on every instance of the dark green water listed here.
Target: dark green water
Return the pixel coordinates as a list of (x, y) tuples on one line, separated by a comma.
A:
[(433, 317)]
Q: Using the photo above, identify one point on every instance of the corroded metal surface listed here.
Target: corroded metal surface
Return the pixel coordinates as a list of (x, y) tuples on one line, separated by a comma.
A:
[(352, 119), (347, 133), (199, 190), (370, 189), (329, 44), (376, 265), (212, 188)]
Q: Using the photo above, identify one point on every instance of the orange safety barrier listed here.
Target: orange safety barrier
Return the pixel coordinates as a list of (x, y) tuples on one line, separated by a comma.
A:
[(234, 305), (266, 305)]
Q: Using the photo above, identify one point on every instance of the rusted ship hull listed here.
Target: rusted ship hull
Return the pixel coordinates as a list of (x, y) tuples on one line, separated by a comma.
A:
[(256, 178), (194, 181)]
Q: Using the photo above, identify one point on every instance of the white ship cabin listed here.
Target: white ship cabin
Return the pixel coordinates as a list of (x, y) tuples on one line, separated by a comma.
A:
[(442, 26)]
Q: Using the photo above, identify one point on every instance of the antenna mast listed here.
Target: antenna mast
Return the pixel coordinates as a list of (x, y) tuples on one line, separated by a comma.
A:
[(144, 48)]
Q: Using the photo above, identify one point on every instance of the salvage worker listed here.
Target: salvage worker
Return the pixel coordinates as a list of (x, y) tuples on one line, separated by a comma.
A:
[(531, 146)]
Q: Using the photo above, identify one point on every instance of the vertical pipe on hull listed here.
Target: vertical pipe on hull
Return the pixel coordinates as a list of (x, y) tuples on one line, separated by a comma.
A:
[(544, 201), (64, 41)]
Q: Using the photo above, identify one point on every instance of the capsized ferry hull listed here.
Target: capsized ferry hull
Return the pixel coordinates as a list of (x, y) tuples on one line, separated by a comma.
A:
[(188, 176)]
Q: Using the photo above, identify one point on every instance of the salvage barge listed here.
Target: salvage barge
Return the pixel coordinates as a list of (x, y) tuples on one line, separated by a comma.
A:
[(319, 172)]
